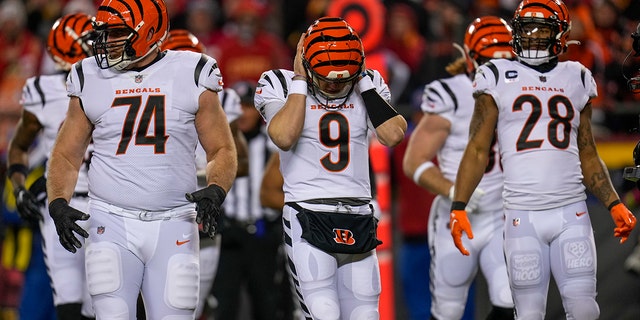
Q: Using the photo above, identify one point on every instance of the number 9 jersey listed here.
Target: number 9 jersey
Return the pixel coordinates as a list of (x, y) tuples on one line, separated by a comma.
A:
[(331, 157), (144, 119), (539, 116)]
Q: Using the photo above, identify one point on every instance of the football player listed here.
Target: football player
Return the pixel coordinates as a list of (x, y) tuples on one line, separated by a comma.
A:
[(320, 116), (45, 103), (145, 111), (539, 109), (180, 39), (443, 131)]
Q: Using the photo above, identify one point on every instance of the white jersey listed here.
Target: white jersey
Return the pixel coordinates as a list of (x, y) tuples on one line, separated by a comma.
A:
[(452, 99), (331, 157), (144, 133), (46, 98), (539, 115)]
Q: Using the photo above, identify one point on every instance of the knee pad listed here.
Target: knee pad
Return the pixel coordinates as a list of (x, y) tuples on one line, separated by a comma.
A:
[(448, 310), (579, 308), (364, 312), (103, 269), (323, 307), (183, 282)]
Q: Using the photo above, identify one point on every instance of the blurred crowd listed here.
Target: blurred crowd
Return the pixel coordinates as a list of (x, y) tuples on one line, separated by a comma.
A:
[(409, 41)]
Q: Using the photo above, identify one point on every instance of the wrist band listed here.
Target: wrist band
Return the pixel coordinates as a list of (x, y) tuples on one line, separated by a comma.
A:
[(365, 84), (458, 205), (298, 87), (17, 167), (613, 204), (299, 77), (420, 169)]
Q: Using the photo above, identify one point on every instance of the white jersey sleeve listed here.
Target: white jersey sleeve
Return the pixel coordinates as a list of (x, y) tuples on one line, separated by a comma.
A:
[(330, 159), (539, 116), (451, 98), (144, 132), (46, 98)]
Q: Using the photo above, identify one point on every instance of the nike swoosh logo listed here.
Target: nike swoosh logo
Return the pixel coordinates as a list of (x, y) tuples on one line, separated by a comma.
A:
[(580, 214), (179, 243), (184, 236)]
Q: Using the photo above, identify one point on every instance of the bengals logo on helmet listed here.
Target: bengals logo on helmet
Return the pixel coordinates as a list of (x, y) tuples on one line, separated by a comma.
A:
[(69, 39), (487, 38), (180, 39), (344, 236)]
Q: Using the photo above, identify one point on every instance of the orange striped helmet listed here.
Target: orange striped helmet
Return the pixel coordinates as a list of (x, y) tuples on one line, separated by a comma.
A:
[(70, 39), (128, 30), (487, 38), (332, 52), (181, 39), (529, 17)]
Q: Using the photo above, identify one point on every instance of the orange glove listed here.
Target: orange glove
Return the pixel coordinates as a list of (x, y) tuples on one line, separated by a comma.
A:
[(459, 222), (623, 218)]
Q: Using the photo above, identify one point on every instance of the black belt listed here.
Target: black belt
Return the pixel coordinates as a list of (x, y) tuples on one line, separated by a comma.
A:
[(80, 195), (337, 201)]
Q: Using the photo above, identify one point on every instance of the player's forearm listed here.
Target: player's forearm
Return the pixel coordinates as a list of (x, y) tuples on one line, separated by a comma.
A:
[(391, 132), (222, 167), (470, 173), (597, 180), (286, 126), (61, 178)]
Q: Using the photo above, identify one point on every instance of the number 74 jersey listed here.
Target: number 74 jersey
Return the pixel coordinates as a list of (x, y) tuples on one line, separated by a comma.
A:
[(144, 132), (539, 116)]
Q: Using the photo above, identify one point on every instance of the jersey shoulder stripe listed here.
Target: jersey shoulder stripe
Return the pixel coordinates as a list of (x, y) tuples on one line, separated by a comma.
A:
[(446, 88), (199, 67), (494, 70), (279, 75), (80, 73)]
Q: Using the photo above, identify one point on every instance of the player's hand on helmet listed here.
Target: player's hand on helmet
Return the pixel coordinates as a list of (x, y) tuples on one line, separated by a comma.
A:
[(459, 223), (27, 205), (208, 207), (625, 221), (474, 201), (298, 66), (64, 216)]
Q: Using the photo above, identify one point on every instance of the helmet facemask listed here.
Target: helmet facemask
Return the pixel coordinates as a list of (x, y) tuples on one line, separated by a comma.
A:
[(336, 86), (113, 46)]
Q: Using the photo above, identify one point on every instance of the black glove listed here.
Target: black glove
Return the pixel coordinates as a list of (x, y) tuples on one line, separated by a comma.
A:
[(64, 216), (27, 204), (208, 207)]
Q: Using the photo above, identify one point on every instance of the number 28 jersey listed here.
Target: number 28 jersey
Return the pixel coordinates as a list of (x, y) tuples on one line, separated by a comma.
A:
[(331, 156), (539, 116), (144, 131)]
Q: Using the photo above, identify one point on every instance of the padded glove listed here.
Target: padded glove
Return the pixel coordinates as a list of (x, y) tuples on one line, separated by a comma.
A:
[(459, 222), (65, 217), (27, 205), (474, 201), (625, 221), (208, 207)]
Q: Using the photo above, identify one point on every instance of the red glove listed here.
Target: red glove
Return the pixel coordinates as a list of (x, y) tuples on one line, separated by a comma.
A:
[(459, 223), (623, 218)]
